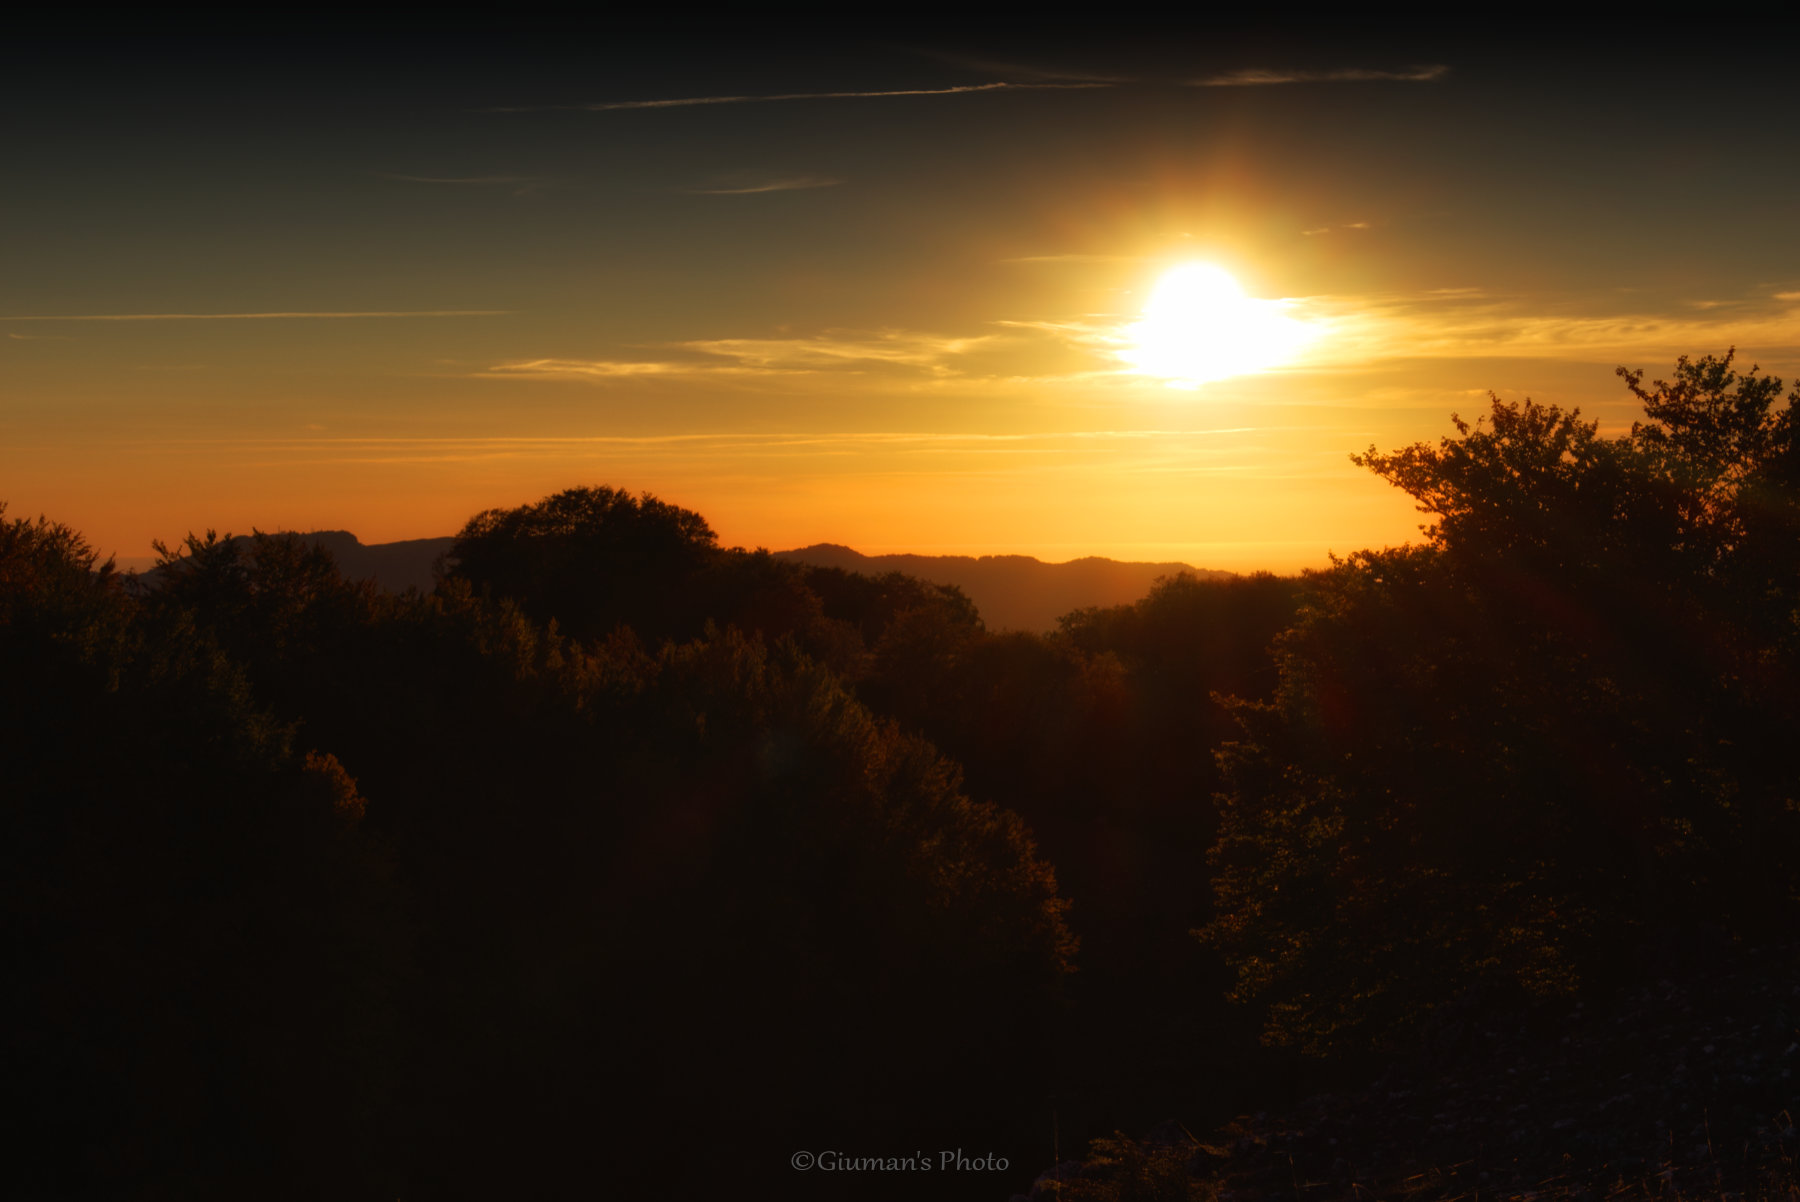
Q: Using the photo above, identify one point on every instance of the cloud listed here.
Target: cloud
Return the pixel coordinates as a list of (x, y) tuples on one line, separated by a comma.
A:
[(1026, 71), (1252, 77), (254, 316), (1355, 333), (1457, 323), (687, 449), (1077, 330), (612, 106), (788, 184), (601, 369), (1326, 229), (835, 351), (839, 349), (1349, 333)]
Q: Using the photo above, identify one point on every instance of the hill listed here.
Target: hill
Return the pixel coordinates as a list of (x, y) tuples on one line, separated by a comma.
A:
[(1013, 592), (395, 566)]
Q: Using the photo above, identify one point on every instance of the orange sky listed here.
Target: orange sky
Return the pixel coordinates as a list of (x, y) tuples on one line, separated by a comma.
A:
[(862, 297)]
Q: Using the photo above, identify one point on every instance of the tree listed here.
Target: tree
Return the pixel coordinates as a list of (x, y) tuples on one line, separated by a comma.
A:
[(204, 942), (595, 560), (1729, 459), (592, 559), (708, 844), (1501, 760)]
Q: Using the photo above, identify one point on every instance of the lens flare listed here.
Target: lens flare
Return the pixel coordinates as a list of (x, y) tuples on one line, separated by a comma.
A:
[(1199, 326)]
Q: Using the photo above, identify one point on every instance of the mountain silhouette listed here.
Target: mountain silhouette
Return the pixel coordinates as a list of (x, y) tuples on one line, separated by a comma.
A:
[(395, 566), (1013, 592)]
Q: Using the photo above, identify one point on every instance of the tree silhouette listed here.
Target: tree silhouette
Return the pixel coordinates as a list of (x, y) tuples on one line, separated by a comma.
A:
[(204, 942), (709, 844), (1506, 758), (592, 559)]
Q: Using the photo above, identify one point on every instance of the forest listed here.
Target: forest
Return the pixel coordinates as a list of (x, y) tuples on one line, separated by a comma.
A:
[(627, 864)]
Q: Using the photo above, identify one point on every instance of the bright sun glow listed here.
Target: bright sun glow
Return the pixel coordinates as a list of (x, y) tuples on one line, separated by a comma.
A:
[(1199, 326)]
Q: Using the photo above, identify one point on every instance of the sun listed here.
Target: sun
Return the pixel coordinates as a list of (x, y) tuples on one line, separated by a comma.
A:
[(1199, 326)]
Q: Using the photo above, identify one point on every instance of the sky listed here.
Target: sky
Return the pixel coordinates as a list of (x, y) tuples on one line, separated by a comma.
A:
[(897, 294)]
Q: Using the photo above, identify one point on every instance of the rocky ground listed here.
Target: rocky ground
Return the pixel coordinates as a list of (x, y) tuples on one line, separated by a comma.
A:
[(1687, 1088)]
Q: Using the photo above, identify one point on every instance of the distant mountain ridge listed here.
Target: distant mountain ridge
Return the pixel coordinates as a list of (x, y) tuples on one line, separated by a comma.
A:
[(1013, 592), (396, 566)]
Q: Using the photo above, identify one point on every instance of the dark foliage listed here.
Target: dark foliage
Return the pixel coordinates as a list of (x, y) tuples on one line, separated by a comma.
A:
[(1192, 637), (203, 945), (700, 885), (593, 559), (871, 604), (667, 847), (1504, 761), (1100, 738)]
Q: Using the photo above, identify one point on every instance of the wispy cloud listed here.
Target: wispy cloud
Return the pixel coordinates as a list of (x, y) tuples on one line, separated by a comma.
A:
[(603, 369), (254, 316), (834, 351), (612, 106), (1075, 329), (795, 183), (1344, 333), (1028, 70), (1046, 446), (1327, 229), (39, 337), (1473, 324), (839, 349), (1353, 333), (1252, 77)]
